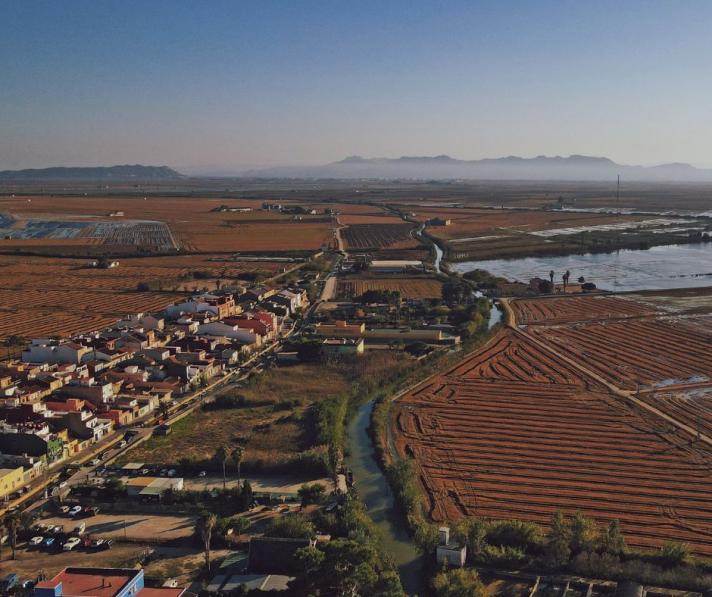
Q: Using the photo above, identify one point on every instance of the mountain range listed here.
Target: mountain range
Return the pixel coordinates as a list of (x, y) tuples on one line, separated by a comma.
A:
[(443, 167), (126, 172)]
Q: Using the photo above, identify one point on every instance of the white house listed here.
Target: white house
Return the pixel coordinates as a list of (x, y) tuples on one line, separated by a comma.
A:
[(222, 330), (45, 350), (449, 553)]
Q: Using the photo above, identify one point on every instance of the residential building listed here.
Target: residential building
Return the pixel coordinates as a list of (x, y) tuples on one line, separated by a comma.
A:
[(101, 582), (11, 479)]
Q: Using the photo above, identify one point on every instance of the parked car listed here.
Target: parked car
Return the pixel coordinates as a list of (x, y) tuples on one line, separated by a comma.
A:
[(48, 542), (96, 462), (172, 472), (202, 474), (8, 582), (122, 444), (64, 509), (105, 545), (75, 510), (71, 543), (35, 541), (80, 528)]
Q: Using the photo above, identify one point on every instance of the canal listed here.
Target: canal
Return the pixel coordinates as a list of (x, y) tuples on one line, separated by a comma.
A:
[(374, 491)]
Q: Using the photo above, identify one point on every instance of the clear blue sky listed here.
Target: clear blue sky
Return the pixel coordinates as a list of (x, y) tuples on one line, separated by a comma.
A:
[(221, 85)]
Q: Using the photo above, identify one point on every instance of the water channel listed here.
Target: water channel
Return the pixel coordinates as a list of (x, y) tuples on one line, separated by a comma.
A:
[(376, 494)]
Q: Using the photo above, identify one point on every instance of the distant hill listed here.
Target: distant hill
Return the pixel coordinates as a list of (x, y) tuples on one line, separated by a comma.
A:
[(443, 167), (92, 173)]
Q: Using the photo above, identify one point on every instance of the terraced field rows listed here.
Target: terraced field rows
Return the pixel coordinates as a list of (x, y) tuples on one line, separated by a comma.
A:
[(513, 432), (379, 236), (550, 311), (650, 352)]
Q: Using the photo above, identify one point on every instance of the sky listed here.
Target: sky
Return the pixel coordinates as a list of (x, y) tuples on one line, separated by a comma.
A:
[(210, 86)]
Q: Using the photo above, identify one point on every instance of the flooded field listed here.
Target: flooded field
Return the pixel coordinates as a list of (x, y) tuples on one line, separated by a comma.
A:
[(664, 267)]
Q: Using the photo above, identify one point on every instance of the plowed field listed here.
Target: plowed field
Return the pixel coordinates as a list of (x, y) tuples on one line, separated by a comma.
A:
[(520, 430), (379, 236)]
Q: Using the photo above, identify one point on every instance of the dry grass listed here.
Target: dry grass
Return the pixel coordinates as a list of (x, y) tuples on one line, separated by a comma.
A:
[(272, 436)]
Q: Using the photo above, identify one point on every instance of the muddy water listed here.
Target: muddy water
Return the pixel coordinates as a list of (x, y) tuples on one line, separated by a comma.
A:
[(375, 492), (666, 267)]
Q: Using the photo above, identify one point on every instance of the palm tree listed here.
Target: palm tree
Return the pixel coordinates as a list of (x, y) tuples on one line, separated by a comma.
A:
[(221, 456), (237, 455), (204, 526), (12, 524)]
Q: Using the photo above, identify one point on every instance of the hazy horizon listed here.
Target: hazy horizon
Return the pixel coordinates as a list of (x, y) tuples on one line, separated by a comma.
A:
[(226, 87)]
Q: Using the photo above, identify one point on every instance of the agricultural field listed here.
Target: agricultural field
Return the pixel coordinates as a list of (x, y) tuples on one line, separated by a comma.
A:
[(48, 296), (652, 353), (193, 223), (550, 416), (563, 310), (416, 287), (379, 236)]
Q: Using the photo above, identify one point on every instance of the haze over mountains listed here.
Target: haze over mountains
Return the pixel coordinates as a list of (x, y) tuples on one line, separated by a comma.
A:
[(443, 167), (92, 173)]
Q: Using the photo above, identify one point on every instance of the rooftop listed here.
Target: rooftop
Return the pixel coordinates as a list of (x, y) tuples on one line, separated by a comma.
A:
[(95, 582)]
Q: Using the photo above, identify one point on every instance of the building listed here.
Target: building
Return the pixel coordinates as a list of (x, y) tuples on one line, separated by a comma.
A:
[(101, 582), (153, 487), (45, 350), (343, 346), (11, 479), (340, 329), (393, 266), (449, 553)]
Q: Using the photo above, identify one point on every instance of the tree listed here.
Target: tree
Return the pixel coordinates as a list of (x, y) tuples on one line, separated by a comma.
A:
[(163, 406), (473, 533), (673, 554), (290, 527), (558, 541), (12, 524), (204, 526), (221, 457), (583, 531), (310, 560), (236, 456), (613, 540), (459, 582), (311, 494)]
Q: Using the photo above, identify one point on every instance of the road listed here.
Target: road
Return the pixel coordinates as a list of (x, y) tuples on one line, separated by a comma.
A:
[(143, 428)]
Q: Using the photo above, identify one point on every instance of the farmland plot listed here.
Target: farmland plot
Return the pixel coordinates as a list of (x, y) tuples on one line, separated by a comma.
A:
[(513, 432)]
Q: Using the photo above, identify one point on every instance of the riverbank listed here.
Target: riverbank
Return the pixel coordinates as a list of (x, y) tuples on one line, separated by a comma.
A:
[(664, 267)]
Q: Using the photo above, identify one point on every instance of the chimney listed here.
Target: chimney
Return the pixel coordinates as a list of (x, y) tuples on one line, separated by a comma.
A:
[(444, 535)]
